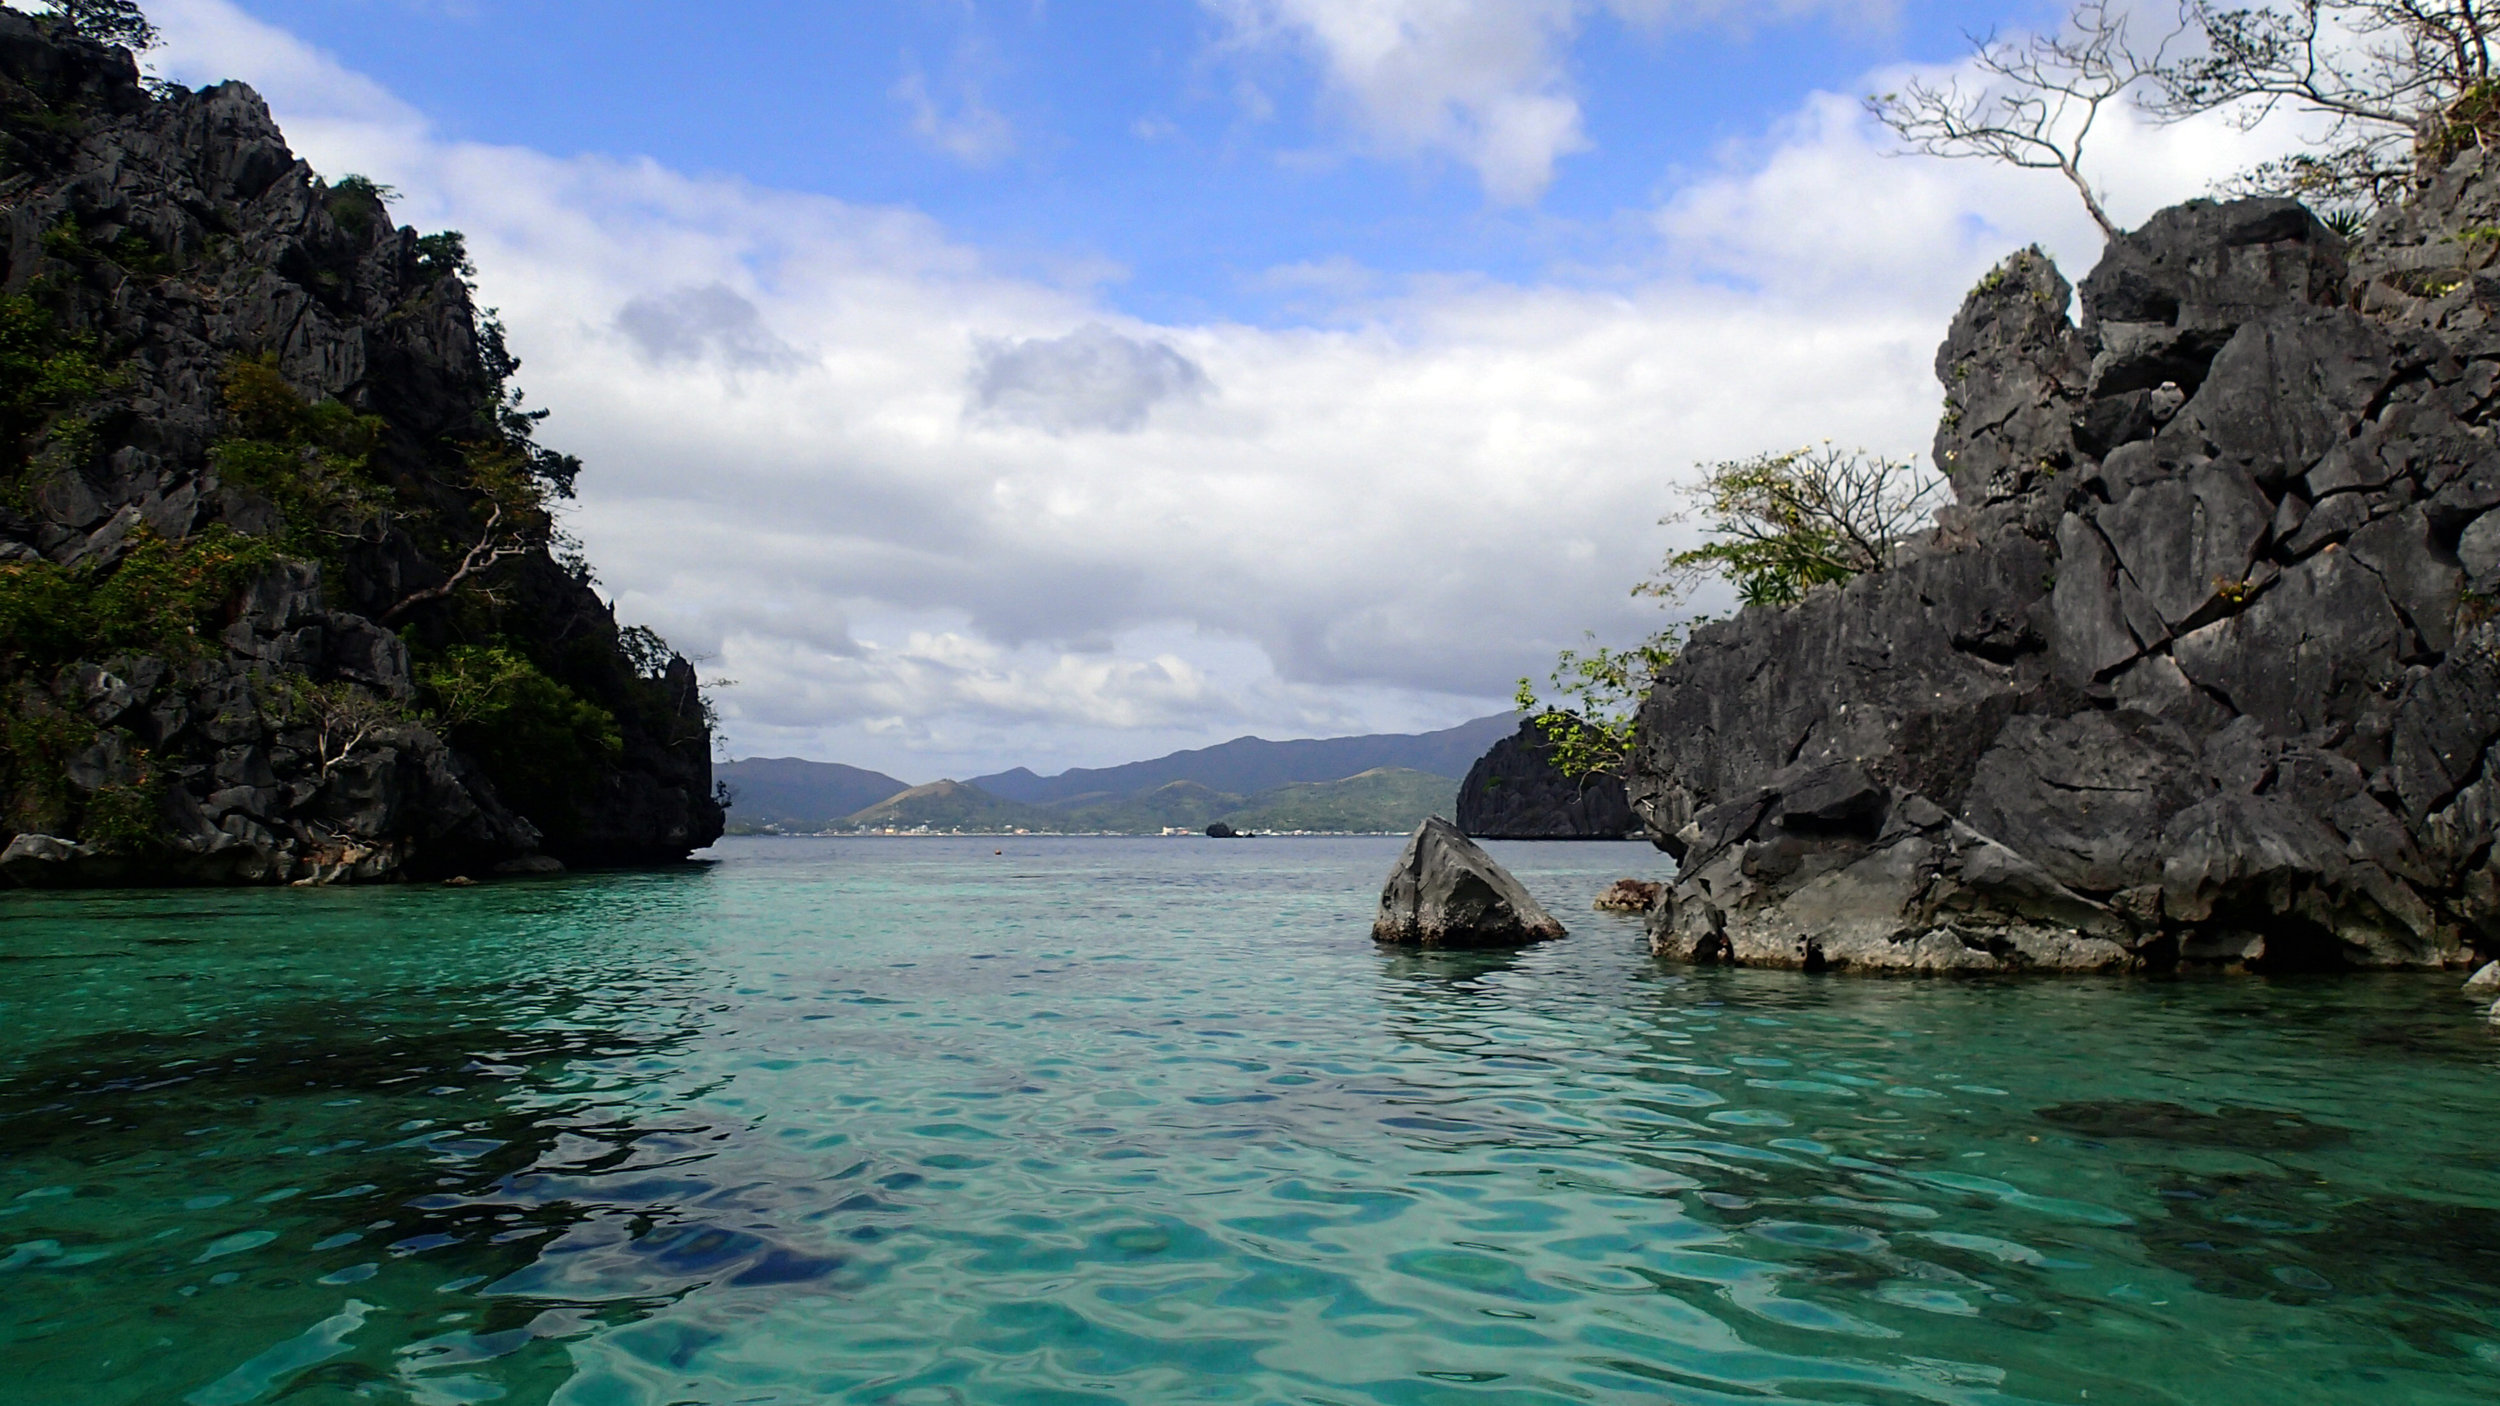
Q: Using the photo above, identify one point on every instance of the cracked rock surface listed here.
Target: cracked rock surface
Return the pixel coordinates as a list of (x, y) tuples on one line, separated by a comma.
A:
[(2200, 667)]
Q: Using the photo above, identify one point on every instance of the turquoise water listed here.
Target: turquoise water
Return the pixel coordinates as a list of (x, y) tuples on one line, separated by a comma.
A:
[(1139, 1121)]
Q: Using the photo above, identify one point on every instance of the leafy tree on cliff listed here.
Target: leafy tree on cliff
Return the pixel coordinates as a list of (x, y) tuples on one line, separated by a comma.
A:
[(1592, 700), (1784, 523), (109, 22), (1779, 524)]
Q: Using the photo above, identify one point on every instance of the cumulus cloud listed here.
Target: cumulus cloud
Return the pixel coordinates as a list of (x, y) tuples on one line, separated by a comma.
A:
[(890, 687), (1378, 524), (1483, 81), (1480, 81), (711, 322), (1090, 379)]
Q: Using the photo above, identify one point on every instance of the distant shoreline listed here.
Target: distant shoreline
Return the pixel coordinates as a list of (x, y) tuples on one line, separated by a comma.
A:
[(1131, 835)]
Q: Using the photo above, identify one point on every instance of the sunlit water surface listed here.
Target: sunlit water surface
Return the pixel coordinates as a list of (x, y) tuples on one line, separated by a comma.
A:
[(1152, 1120)]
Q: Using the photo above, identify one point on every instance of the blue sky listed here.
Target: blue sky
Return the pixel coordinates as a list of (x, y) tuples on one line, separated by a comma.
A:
[(1057, 383), (1146, 136)]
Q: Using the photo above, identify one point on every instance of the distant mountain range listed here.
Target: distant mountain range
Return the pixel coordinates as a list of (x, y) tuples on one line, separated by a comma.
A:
[(1383, 782), (787, 791), (1385, 798), (944, 805), (1249, 765)]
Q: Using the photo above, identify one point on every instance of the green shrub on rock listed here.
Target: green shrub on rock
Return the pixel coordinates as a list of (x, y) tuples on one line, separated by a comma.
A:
[(308, 458), (163, 597), (543, 743), (45, 371)]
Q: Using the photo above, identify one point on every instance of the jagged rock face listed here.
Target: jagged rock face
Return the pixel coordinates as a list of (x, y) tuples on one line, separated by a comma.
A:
[(219, 244), (1515, 792), (1446, 892), (2201, 666)]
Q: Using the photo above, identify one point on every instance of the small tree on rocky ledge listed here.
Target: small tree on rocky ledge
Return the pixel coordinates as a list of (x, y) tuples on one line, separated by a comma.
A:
[(511, 520), (108, 22), (1781, 524), (1591, 702), (2036, 102), (1784, 523), (340, 718)]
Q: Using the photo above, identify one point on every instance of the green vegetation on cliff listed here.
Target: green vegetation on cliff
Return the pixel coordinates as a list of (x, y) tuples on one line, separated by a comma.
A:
[(282, 589)]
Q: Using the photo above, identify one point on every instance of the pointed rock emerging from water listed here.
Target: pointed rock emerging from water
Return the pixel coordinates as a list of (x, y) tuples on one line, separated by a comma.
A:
[(1445, 892)]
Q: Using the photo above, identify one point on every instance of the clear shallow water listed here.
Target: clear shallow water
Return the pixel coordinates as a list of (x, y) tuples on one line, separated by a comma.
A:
[(1141, 1121)]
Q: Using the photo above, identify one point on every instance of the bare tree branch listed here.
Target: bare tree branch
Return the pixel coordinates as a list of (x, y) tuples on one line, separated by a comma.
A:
[(342, 717), (489, 551), (2385, 62), (2037, 108), (2402, 80)]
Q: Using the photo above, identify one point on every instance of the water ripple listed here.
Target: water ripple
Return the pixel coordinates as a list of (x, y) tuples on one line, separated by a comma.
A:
[(1131, 1121)]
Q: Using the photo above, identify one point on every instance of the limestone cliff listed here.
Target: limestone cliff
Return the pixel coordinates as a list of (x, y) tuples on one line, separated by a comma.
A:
[(2200, 667), (1515, 792), (250, 433)]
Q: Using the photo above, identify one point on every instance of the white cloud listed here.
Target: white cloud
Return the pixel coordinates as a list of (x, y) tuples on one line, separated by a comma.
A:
[(967, 130), (892, 687), (1480, 80), (1376, 525)]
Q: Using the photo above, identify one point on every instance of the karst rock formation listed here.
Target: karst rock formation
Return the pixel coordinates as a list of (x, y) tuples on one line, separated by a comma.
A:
[(246, 697), (1516, 792), (2201, 667)]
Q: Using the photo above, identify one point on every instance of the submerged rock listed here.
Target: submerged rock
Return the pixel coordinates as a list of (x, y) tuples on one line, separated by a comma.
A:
[(2192, 671), (2240, 1129), (1446, 892)]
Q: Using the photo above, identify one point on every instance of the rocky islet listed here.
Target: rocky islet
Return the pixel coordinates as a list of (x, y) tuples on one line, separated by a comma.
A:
[(2200, 667), (1445, 891), (174, 234), (1516, 792)]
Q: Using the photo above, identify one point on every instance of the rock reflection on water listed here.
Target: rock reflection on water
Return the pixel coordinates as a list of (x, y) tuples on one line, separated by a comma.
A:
[(1127, 1121)]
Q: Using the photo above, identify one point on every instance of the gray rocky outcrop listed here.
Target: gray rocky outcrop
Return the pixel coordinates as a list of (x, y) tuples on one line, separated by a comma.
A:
[(1629, 896), (171, 233), (1515, 792), (1447, 892), (2200, 666)]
